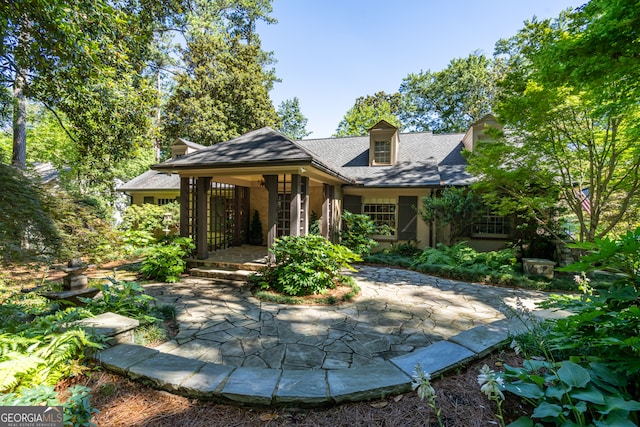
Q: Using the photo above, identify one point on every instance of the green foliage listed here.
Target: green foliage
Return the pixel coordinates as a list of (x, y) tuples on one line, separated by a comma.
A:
[(305, 265), (165, 261), (367, 111), (77, 405), (598, 345), (25, 214), (575, 131), (357, 230), (83, 226), (618, 256), (461, 255), (456, 207), (35, 356), (124, 298), (255, 229), (605, 327), (314, 223), (566, 393), (293, 123), (221, 94), (81, 58), (150, 219), (452, 99)]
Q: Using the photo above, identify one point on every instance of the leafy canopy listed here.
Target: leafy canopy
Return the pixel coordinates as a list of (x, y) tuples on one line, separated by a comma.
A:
[(452, 99), (576, 134), (293, 123), (221, 94), (367, 111)]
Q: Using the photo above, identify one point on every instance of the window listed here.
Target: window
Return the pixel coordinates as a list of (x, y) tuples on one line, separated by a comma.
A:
[(149, 199), (490, 225), (162, 202), (382, 152), (382, 211)]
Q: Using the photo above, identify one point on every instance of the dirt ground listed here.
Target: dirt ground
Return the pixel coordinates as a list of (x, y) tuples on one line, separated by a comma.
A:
[(125, 403)]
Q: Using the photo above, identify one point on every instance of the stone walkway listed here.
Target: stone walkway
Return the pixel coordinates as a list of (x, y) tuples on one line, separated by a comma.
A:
[(234, 347)]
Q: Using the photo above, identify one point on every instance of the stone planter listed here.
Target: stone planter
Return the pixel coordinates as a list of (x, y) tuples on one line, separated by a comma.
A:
[(538, 267)]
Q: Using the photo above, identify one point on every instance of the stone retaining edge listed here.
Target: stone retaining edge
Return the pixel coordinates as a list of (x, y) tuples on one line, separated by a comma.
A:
[(265, 387)]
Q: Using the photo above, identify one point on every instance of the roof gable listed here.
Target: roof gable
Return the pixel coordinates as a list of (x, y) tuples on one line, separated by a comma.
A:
[(264, 145), (183, 142), (382, 125)]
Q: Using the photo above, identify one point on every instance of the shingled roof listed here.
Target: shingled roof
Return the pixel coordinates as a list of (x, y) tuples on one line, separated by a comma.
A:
[(424, 160), (262, 147), (152, 180)]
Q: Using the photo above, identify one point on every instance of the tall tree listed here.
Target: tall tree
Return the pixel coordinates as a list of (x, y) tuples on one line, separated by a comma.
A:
[(580, 133), (221, 94), (51, 49), (367, 111), (293, 123), (451, 99), (222, 89)]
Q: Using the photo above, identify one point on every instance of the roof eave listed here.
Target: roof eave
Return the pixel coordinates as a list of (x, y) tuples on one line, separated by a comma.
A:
[(202, 166)]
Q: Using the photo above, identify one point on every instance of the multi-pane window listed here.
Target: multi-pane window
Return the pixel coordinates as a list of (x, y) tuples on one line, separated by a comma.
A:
[(382, 152), (492, 226), (162, 202), (382, 211)]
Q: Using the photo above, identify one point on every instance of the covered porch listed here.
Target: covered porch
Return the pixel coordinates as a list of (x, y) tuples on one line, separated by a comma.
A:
[(263, 171)]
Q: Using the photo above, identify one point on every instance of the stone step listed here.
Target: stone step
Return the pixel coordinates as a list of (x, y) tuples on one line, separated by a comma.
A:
[(221, 273), (224, 265)]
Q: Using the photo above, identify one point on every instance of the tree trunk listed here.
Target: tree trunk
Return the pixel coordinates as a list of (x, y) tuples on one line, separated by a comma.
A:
[(19, 157), (158, 118)]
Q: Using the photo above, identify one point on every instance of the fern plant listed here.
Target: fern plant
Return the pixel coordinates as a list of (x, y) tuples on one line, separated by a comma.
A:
[(41, 359)]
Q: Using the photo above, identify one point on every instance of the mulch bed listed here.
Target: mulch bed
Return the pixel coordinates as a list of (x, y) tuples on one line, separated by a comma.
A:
[(125, 403)]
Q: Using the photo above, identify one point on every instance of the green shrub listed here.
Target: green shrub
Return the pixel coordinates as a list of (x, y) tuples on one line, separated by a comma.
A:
[(305, 265), (152, 218), (77, 407), (568, 394), (255, 229), (620, 257), (598, 347), (43, 351), (124, 298), (461, 255), (84, 230), (357, 230), (165, 261)]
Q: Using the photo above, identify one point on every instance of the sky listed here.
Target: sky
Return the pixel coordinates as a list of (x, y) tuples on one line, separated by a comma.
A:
[(330, 52)]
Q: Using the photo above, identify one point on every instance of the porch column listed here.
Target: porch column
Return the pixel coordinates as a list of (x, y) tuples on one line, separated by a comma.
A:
[(326, 225), (202, 226), (271, 184), (184, 206), (304, 206), (299, 224)]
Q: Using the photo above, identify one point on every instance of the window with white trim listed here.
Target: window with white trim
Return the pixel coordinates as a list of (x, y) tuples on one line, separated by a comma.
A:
[(382, 152), (382, 211)]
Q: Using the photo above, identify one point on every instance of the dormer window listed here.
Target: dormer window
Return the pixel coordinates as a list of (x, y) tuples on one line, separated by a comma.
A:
[(382, 152), (383, 145)]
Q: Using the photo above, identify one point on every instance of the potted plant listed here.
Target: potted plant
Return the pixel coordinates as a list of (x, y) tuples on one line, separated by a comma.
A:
[(255, 229)]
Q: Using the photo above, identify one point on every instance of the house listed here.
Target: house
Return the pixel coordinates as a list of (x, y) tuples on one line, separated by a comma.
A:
[(155, 187), (384, 174)]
